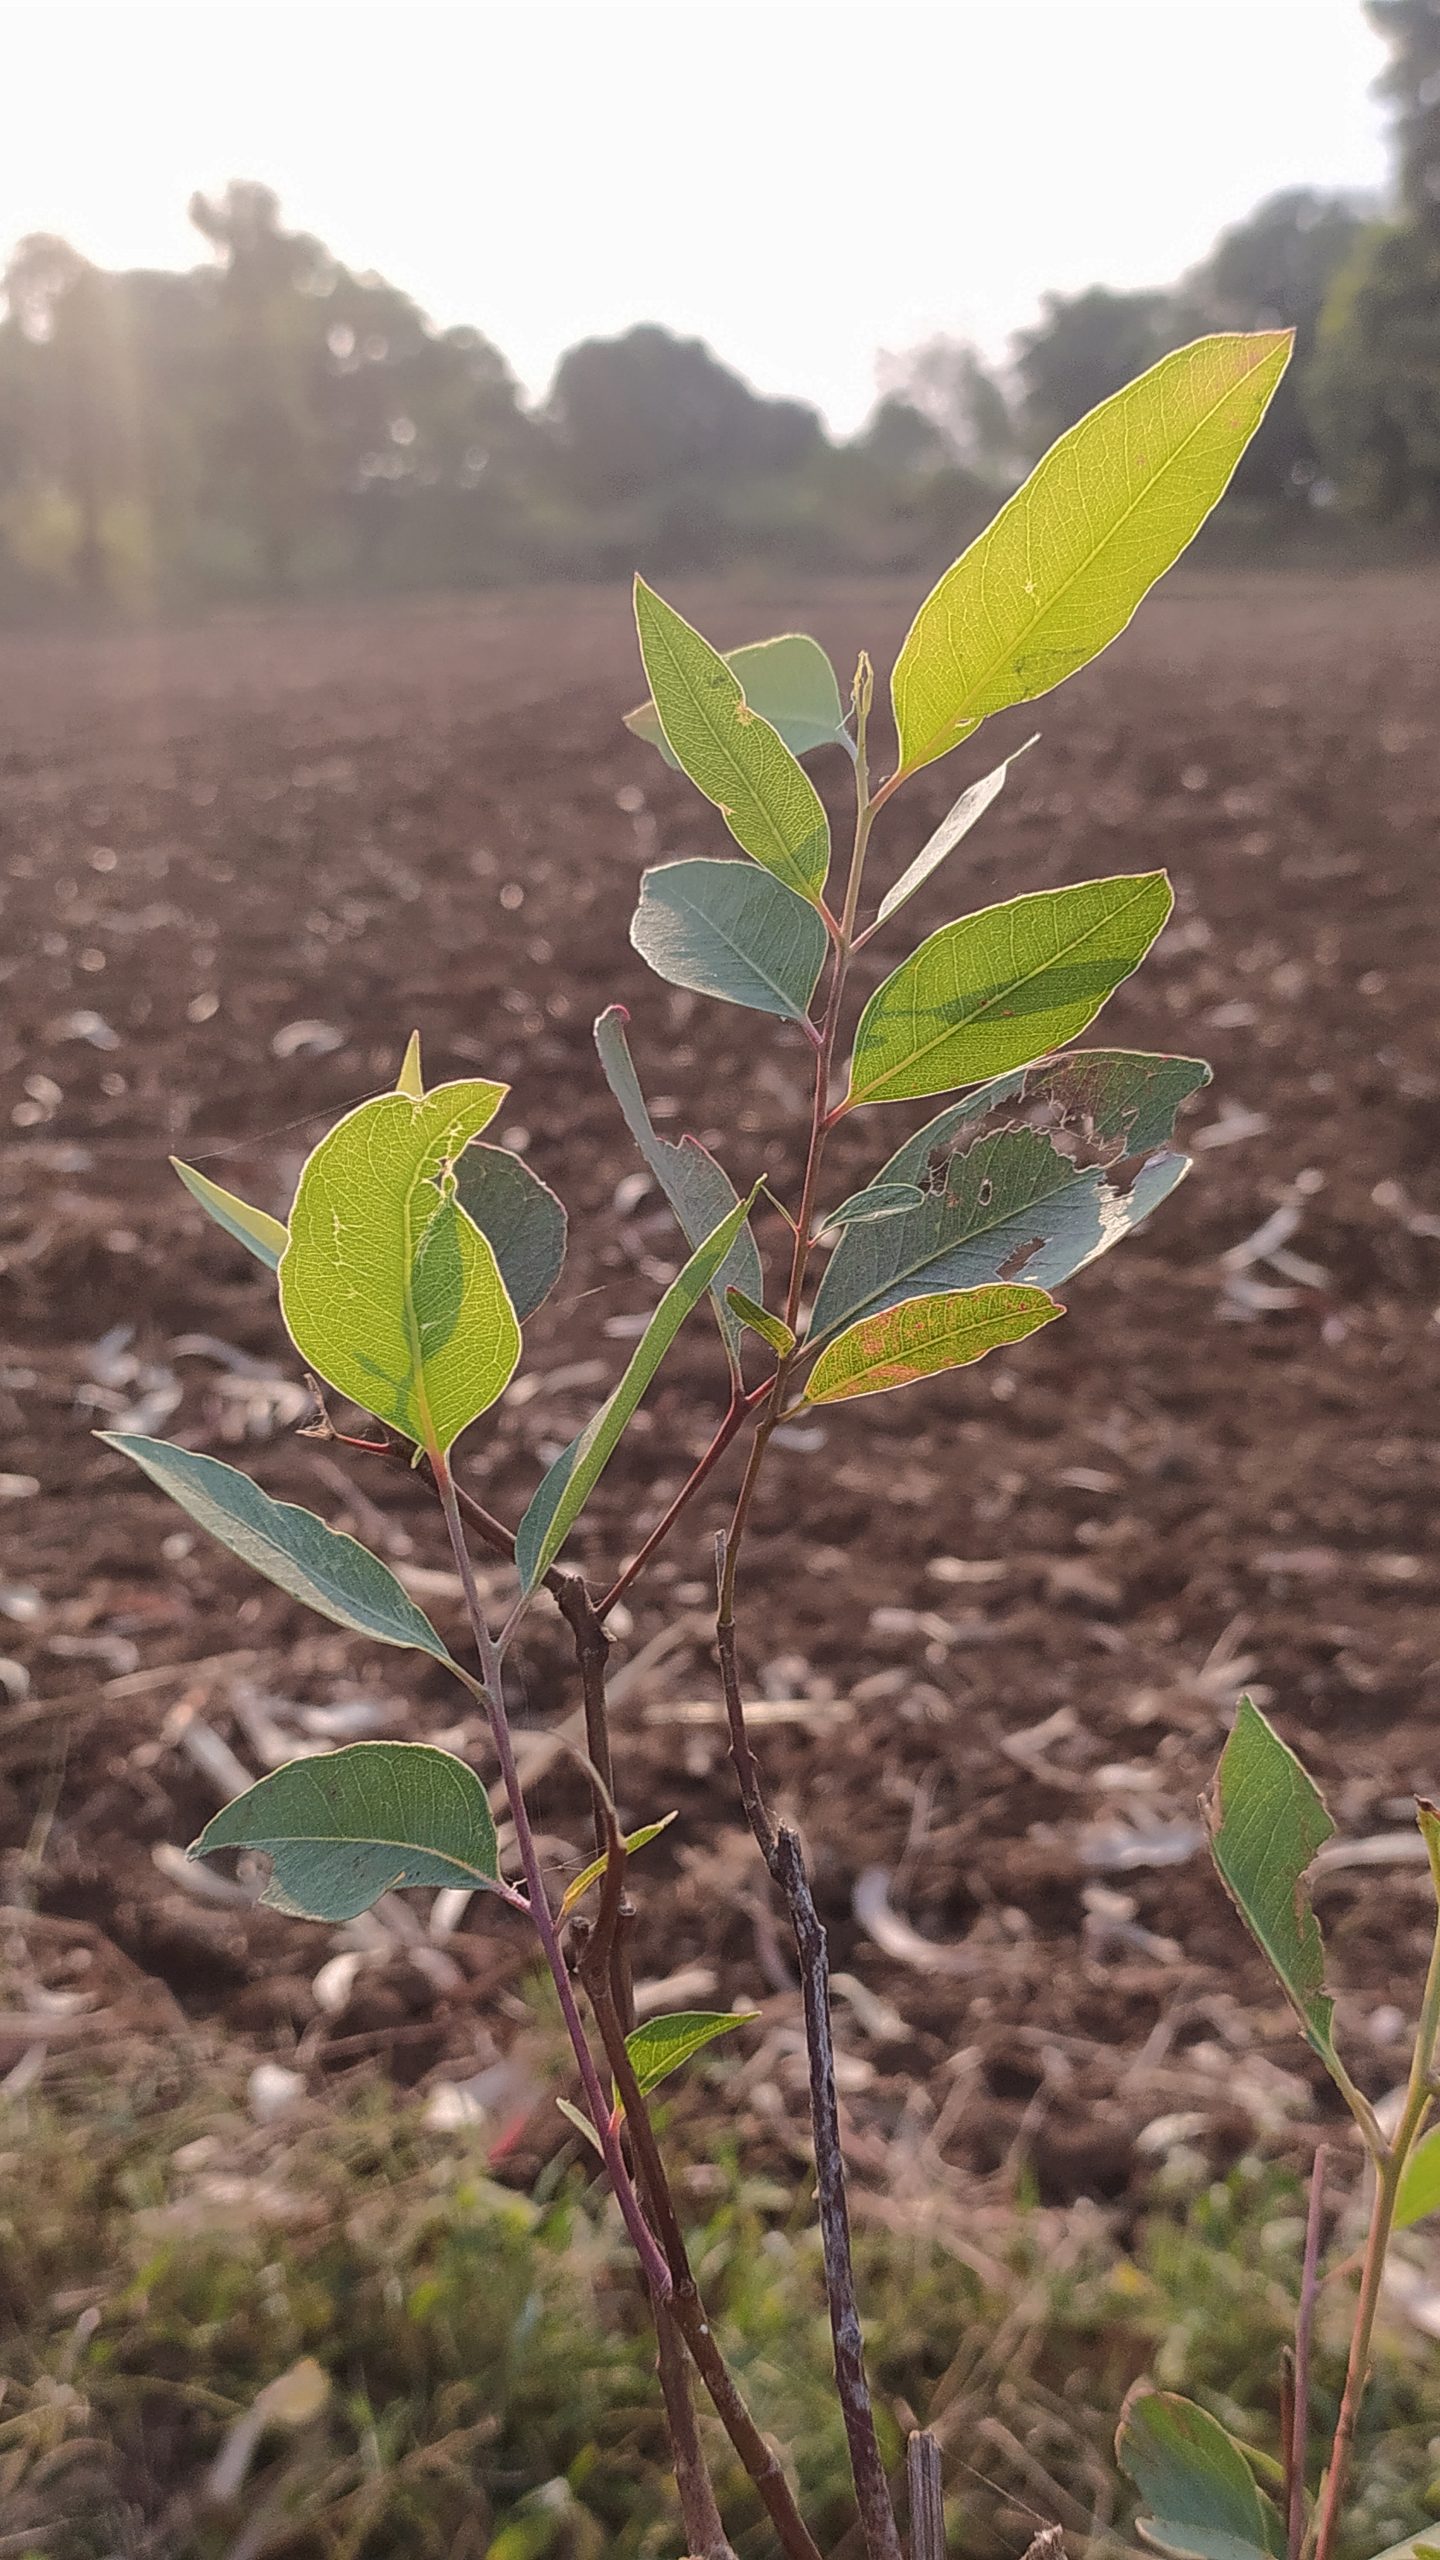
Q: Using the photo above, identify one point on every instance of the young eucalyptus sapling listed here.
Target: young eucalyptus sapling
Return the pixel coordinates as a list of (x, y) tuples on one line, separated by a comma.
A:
[(415, 1250)]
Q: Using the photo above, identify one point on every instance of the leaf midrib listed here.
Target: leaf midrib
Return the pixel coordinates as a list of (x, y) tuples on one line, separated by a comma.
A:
[(726, 751), (955, 720), (793, 1012), (1070, 1176)]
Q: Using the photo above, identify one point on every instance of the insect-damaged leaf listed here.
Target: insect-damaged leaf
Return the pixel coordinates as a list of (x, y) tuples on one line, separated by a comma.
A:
[(520, 1216), (319, 1565), (349, 1825), (1267, 1820), (727, 930), (769, 804), (565, 1489), (924, 1336), (953, 828), (1061, 570), (1195, 2480), (877, 1200), (698, 1191), (999, 989), (789, 681), (261, 1235), (1012, 1206), (662, 2044), (390, 1291)]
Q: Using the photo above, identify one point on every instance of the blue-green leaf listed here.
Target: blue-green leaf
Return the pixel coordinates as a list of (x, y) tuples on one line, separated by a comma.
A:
[(522, 1219), (349, 1825), (1267, 1820), (261, 1235), (954, 826), (1195, 2481), (727, 930), (319, 1565)]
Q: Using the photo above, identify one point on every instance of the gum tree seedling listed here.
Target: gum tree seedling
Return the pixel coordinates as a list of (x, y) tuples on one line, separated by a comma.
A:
[(415, 1250)]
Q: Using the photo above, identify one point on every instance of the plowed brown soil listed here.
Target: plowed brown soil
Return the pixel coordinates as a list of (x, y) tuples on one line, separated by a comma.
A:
[(996, 1627)]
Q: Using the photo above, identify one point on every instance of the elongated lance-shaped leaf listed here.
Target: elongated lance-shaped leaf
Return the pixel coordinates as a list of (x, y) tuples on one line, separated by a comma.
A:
[(923, 1337), (789, 681), (579, 1886), (662, 2044), (952, 830), (314, 1563), (390, 1291), (349, 1825), (727, 930), (261, 1235), (999, 989), (771, 1329), (695, 1186), (1013, 1207), (1198, 2487), (1061, 570), (520, 1216), (1267, 1820), (564, 1490), (1419, 2192), (769, 804)]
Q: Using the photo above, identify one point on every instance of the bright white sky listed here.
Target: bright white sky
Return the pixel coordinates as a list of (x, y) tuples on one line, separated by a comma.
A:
[(800, 184)]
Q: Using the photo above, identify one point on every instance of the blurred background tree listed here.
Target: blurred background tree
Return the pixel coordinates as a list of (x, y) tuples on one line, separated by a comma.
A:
[(273, 423)]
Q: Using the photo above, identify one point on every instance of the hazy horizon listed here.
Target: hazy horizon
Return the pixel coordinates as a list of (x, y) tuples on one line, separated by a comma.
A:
[(802, 186)]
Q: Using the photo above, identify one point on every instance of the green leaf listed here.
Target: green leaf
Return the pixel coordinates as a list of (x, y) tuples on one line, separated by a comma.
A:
[(411, 1078), (770, 806), (319, 1565), (771, 1329), (789, 681), (261, 1235), (662, 2044), (698, 1191), (1424, 2545), (999, 989), (390, 1291), (970, 806), (1420, 2182), (1195, 2480), (349, 1825), (521, 1218), (877, 1200), (577, 2117), (924, 1336), (579, 1886), (729, 931), (1012, 1207), (1063, 567), (564, 1490), (1267, 1820)]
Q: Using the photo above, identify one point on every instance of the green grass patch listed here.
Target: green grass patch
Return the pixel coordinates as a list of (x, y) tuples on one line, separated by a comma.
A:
[(456, 2371)]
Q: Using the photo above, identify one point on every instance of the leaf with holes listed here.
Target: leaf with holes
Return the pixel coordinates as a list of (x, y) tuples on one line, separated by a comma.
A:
[(661, 2045), (1267, 1820), (789, 681), (698, 1191), (726, 930), (1195, 2481), (877, 1200), (389, 1290), (349, 1825), (522, 1219), (1067, 560), (999, 989), (1012, 1207), (261, 1235), (923, 1337), (742, 765), (563, 1492), (952, 830), (319, 1565)]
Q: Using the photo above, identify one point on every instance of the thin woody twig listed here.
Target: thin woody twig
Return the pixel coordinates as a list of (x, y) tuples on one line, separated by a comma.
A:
[(927, 2504)]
